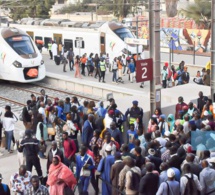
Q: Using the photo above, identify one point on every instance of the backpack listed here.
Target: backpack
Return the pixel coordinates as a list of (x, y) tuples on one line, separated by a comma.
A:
[(190, 188), (135, 181)]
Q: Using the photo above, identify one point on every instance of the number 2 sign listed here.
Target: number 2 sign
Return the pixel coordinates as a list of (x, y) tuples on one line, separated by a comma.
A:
[(144, 70)]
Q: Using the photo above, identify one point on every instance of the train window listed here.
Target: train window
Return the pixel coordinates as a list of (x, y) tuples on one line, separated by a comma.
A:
[(79, 45), (68, 43), (21, 44), (38, 38), (123, 33), (46, 41)]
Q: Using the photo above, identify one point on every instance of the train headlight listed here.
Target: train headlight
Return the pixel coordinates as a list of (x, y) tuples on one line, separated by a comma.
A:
[(42, 62), (17, 64)]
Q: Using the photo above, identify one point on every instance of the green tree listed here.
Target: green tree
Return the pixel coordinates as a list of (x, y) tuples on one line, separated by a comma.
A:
[(29, 8), (200, 12)]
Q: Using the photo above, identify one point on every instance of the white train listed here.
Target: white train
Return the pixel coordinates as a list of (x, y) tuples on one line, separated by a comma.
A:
[(20, 60), (84, 37)]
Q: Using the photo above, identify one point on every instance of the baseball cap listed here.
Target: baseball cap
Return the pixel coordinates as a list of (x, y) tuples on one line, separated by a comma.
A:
[(108, 148), (170, 173)]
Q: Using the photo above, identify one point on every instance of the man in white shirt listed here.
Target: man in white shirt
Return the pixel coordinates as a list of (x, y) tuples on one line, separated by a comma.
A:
[(184, 180), (41, 110), (54, 49), (169, 187), (207, 179)]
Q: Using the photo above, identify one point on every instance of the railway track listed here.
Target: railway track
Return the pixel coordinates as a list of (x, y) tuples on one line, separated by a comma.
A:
[(17, 94)]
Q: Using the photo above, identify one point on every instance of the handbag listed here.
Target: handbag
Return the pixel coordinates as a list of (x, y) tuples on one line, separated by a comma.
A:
[(85, 172)]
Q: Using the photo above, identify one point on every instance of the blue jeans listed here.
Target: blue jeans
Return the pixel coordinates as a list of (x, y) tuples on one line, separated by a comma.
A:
[(9, 135), (114, 76)]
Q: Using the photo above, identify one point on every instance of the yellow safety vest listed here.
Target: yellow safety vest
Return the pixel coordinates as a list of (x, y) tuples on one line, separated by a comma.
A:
[(102, 66), (49, 46)]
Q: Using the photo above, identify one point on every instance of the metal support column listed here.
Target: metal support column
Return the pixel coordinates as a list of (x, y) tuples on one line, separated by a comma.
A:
[(212, 49), (137, 34), (154, 22)]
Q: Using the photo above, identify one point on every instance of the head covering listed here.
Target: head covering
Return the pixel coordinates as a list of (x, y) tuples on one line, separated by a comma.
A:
[(1, 176), (118, 155), (111, 112), (206, 113), (167, 133), (211, 160), (163, 116), (108, 148), (205, 122), (170, 173), (171, 122), (135, 102), (166, 64), (151, 151), (192, 122)]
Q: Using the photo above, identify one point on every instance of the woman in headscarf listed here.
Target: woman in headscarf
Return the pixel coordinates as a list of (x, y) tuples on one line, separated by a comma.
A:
[(171, 122), (60, 178)]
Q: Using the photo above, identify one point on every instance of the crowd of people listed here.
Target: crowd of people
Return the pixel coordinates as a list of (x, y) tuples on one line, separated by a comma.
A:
[(170, 155), (180, 75), (95, 65)]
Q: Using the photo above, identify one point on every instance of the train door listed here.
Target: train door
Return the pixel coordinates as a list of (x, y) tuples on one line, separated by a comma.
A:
[(102, 43), (57, 39), (31, 34)]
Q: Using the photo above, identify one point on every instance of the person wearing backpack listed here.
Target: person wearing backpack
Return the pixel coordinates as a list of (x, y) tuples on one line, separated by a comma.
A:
[(189, 183), (149, 182), (132, 178), (169, 187)]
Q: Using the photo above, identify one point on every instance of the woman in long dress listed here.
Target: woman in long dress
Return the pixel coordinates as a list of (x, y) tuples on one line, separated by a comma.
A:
[(60, 178), (77, 69)]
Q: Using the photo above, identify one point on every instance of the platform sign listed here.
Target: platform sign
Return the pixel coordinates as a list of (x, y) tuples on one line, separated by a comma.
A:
[(132, 41), (144, 70)]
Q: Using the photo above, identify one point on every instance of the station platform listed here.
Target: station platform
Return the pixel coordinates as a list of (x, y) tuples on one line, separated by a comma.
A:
[(125, 93)]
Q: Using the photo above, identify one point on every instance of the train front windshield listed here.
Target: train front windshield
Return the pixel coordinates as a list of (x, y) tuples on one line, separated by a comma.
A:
[(123, 33), (22, 45)]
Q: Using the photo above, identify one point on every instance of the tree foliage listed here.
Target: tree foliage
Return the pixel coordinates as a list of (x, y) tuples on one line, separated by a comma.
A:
[(120, 8), (200, 12), (28, 8)]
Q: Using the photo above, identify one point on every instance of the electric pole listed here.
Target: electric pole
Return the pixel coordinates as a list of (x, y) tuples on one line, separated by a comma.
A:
[(154, 39)]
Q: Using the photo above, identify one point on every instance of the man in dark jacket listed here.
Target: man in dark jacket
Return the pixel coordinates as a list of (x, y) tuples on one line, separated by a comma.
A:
[(53, 152), (185, 76), (115, 171), (149, 182), (87, 132), (31, 146), (25, 113)]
